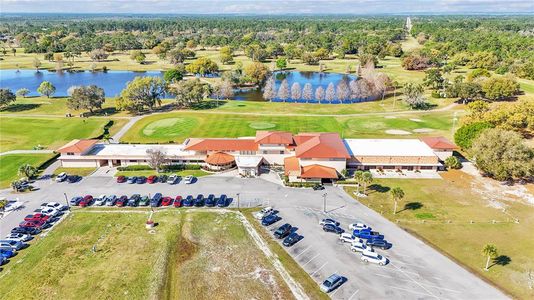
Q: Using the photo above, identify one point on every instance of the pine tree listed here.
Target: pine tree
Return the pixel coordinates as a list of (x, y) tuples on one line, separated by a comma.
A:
[(269, 90), (319, 94), (307, 92), (330, 92), (283, 91), (296, 91)]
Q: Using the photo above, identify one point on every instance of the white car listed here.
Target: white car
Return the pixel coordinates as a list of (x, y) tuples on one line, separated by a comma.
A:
[(188, 179), (263, 212), (173, 179), (346, 237), (54, 205), (61, 177), (101, 200), (49, 211), (373, 257), (359, 246), (19, 237), (110, 200), (358, 226), (13, 205)]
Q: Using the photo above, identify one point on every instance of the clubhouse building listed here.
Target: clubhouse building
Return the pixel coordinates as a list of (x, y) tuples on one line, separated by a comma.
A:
[(304, 157)]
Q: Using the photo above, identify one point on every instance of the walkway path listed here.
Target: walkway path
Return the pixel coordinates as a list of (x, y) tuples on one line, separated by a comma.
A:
[(116, 138), (27, 152)]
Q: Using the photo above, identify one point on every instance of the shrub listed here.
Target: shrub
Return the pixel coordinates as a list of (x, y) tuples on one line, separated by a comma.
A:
[(135, 168), (452, 162), (465, 135)]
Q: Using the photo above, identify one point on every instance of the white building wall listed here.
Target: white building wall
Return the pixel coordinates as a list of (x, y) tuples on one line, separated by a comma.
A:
[(443, 155), (79, 163)]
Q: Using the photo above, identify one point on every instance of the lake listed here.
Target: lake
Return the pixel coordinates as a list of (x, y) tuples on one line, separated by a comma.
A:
[(316, 79), (111, 81)]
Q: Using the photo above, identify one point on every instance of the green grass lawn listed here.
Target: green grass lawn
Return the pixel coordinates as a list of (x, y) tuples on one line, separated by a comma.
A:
[(191, 255), (178, 126), (75, 171), (146, 173), (429, 206), (9, 165), (51, 133)]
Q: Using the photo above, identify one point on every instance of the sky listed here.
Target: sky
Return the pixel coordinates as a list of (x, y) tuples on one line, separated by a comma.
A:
[(268, 7)]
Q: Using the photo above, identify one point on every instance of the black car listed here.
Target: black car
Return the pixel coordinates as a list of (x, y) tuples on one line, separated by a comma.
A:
[(318, 187), (156, 200), (163, 178), (188, 201), (199, 201), (26, 230), (291, 239), (270, 219), (222, 201), (140, 180), (382, 244), (283, 231), (73, 178), (134, 200), (210, 201), (333, 228)]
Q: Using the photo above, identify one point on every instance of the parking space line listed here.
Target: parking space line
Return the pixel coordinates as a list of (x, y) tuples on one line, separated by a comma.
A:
[(353, 294), (326, 263), (307, 248), (415, 281), (332, 295), (310, 260), (407, 290), (425, 284)]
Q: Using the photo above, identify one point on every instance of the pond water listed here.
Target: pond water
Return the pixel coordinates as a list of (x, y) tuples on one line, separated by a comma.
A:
[(316, 79), (111, 81)]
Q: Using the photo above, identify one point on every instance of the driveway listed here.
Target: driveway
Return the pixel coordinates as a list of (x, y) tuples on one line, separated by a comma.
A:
[(415, 269)]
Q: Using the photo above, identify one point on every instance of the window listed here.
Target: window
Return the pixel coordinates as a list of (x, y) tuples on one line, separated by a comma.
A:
[(70, 153)]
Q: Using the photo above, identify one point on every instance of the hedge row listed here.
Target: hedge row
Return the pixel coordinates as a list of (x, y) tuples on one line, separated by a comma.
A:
[(165, 168)]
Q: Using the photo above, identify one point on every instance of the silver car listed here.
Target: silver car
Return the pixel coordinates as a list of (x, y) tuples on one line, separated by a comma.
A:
[(331, 283), (11, 245)]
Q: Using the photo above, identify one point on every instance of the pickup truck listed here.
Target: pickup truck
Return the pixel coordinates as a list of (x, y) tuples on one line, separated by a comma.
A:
[(367, 234)]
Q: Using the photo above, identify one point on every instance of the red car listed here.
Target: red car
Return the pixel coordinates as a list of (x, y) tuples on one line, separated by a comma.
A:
[(122, 201), (178, 201), (37, 217), (86, 201), (152, 179), (166, 201), (121, 179), (34, 224)]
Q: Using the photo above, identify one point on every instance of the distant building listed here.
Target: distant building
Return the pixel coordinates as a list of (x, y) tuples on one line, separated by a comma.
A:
[(441, 146)]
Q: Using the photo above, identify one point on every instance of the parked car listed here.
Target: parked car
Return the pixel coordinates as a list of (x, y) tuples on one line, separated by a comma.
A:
[(61, 177), (329, 221), (359, 246), (166, 201), (140, 180), (134, 200), (38, 217), (270, 219), (34, 224), (156, 200), (291, 239), (131, 180), (223, 201), (152, 179), (7, 253), (333, 228), (359, 226), (75, 200), (331, 283), (173, 179), (121, 179), (19, 237), (318, 187), (367, 234), (100, 200), (144, 201), (373, 257), (122, 201), (26, 230), (189, 201), (283, 231), (12, 245), (86, 201), (210, 201), (189, 179), (55, 205), (199, 201), (346, 237), (264, 212), (111, 200), (50, 212), (3, 260), (177, 201), (382, 244), (73, 178), (162, 178)]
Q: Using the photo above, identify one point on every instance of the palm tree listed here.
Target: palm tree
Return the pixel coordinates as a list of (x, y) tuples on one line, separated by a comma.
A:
[(397, 194), (27, 170), (107, 138), (367, 178), (490, 251), (358, 176)]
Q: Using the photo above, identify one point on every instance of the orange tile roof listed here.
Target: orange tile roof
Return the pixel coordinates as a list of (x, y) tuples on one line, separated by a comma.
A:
[(274, 137), (77, 146), (220, 158), (321, 145), (291, 166), (439, 143), (318, 171), (221, 145)]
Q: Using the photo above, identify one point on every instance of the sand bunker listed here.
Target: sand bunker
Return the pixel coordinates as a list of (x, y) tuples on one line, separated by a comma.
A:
[(397, 132), (416, 120), (423, 130)]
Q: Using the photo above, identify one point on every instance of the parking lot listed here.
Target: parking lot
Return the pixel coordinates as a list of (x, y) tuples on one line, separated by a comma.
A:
[(415, 270)]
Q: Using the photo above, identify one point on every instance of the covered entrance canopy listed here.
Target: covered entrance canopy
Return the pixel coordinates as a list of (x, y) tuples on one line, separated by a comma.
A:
[(220, 161), (249, 165)]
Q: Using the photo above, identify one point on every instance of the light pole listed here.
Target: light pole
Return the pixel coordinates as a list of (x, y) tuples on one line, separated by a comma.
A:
[(238, 200), (324, 202), (66, 200)]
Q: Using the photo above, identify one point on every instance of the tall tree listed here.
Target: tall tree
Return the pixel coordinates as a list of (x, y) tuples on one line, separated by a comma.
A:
[(413, 95), (343, 90), (156, 158), (307, 92), (319, 94), (269, 90), (173, 75), (283, 90), (330, 94), (358, 177), (226, 55), (98, 55), (6, 97), (190, 92), (202, 66), (490, 251), (86, 97), (27, 170), (142, 92), (296, 91), (281, 63), (367, 178), (36, 64), (46, 88), (256, 72), (138, 56), (498, 88), (23, 92), (396, 194)]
